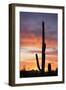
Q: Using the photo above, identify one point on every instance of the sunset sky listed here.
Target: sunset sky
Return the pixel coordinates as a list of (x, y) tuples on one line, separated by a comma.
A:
[(31, 39)]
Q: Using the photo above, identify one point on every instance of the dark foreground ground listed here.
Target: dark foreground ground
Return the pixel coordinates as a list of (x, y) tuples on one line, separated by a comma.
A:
[(35, 73)]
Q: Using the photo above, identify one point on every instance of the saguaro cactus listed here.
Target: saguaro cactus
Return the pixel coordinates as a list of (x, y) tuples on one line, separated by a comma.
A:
[(49, 67), (42, 69)]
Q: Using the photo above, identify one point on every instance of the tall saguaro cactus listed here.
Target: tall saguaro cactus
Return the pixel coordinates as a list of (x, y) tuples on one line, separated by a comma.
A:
[(42, 69)]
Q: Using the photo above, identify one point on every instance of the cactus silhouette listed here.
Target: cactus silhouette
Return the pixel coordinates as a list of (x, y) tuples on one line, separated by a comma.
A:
[(37, 62), (49, 67), (42, 69)]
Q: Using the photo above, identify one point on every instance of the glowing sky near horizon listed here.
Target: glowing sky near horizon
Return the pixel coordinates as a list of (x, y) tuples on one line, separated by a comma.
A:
[(31, 39)]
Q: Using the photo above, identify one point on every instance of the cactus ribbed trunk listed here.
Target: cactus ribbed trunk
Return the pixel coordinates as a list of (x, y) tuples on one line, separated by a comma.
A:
[(43, 48), (43, 52)]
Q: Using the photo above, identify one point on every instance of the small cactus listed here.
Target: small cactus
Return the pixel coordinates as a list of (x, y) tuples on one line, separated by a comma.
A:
[(49, 67)]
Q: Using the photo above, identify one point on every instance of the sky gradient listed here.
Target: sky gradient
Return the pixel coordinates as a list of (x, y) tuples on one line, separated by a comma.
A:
[(31, 39)]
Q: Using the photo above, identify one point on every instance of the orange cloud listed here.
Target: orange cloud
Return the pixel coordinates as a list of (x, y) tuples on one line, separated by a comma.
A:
[(36, 41), (52, 43), (30, 41)]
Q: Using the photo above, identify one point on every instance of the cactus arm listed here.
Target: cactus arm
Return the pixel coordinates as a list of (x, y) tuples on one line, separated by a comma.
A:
[(37, 62)]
